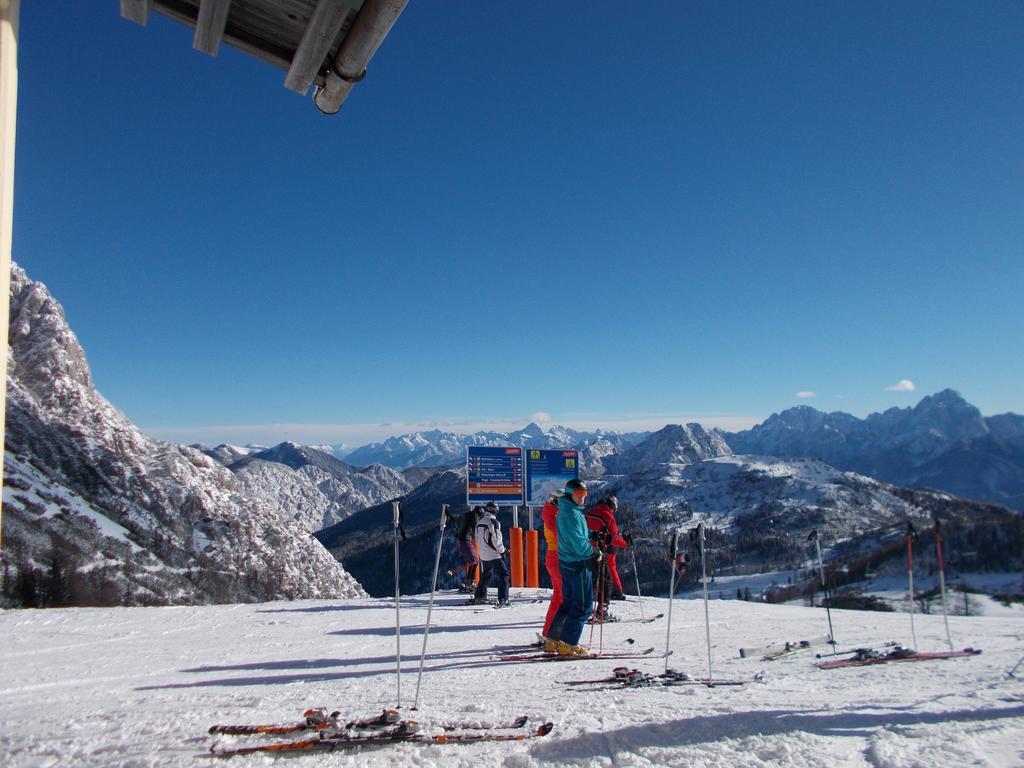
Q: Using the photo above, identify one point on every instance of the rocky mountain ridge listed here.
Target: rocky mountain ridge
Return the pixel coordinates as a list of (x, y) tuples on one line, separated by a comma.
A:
[(95, 512), (943, 442)]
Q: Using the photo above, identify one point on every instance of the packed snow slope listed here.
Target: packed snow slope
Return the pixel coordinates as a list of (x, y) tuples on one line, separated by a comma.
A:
[(140, 686)]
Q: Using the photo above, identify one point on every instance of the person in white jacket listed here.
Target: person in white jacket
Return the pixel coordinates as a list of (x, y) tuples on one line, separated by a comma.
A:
[(492, 556)]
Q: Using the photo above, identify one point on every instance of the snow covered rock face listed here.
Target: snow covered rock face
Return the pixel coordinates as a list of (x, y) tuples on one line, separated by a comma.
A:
[(752, 492), (675, 444), (943, 442), (317, 498), (95, 512)]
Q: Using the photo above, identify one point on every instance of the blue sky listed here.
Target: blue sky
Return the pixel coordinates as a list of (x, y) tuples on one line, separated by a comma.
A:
[(691, 211)]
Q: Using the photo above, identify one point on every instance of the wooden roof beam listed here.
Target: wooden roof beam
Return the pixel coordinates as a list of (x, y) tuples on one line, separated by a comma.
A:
[(317, 39), (368, 31), (135, 10), (211, 22)]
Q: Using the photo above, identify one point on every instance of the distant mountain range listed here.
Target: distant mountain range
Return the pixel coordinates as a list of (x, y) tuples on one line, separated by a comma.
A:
[(760, 510), (438, 448), (943, 442)]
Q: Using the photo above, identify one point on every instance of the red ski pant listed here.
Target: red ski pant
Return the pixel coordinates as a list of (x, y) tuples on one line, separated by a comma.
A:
[(551, 564)]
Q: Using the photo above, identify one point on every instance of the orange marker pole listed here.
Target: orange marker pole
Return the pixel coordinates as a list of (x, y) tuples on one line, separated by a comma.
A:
[(516, 555), (532, 560)]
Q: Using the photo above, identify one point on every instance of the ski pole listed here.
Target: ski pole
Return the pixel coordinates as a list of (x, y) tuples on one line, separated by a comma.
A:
[(430, 604), (398, 620), (1016, 667), (813, 536), (601, 585), (671, 592), (942, 579), (699, 531), (636, 573), (911, 535)]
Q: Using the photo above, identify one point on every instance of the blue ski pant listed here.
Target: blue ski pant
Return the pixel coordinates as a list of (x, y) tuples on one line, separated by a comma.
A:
[(577, 601)]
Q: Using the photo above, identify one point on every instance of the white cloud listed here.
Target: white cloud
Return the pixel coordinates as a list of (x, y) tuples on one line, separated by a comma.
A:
[(540, 417), (805, 393), (903, 385)]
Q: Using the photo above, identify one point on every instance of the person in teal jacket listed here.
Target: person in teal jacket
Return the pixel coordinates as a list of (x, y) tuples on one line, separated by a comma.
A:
[(575, 552)]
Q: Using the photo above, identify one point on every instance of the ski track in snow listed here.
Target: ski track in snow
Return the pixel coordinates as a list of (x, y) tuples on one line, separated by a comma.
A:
[(140, 686)]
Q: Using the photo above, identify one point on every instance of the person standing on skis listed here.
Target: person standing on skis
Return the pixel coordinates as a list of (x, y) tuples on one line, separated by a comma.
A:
[(466, 538), (492, 556), (549, 514), (574, 555), (603, 527)]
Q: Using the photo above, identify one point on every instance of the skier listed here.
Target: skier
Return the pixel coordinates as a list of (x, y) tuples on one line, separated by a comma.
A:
[(550, 516), (601, 522), (465, 538), (574, 555), (492, 556)]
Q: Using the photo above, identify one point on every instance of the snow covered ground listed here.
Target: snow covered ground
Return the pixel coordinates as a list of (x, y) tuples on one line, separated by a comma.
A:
[(140, 686)]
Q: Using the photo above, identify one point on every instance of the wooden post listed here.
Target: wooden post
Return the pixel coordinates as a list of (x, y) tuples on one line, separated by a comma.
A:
[(8, 115)]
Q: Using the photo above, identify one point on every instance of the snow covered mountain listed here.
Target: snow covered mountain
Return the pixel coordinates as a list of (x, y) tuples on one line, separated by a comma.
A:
[(95, 512), (674, 444), (317, 488), (436, 447), (943, 442)]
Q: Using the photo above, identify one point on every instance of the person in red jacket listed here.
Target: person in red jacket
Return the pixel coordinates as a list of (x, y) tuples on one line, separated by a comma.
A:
[(550, 516), (605, 530)]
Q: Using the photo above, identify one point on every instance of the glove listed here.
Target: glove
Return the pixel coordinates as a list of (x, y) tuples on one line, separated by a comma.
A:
[(598, 557)]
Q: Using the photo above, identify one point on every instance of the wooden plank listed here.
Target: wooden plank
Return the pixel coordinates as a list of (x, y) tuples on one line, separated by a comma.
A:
[(317, 39), (135, 10), (210, 25)]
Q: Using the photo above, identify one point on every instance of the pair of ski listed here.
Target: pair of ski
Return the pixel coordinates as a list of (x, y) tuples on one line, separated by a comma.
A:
[(381, 729), (774, 651), (647, 653), (624, 677), (646, 620), (864, 657)]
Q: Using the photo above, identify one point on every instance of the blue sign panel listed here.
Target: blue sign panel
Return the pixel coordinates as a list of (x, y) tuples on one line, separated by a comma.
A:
[(494, 474), (547, 472)]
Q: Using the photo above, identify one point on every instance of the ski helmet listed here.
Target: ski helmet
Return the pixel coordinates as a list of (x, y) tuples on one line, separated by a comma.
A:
[(575, 485), (611, 501)]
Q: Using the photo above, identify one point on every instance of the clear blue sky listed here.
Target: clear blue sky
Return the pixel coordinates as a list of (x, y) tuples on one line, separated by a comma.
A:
[(613, 215)]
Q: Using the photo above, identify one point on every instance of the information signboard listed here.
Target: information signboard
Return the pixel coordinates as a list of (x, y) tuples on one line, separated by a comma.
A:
[(494, 474), (547, 472)]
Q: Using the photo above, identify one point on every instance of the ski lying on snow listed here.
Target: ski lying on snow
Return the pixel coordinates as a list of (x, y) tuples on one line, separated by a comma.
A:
[(315, 720), (647, 620), (773, 648), (897, 654), (403, 731), (861, 650), (319, 720), (623, 677), (647, 653)]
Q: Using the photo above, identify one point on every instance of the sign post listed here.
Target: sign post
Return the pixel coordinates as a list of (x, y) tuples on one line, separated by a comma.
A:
[(496, 474), (547, 472)]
